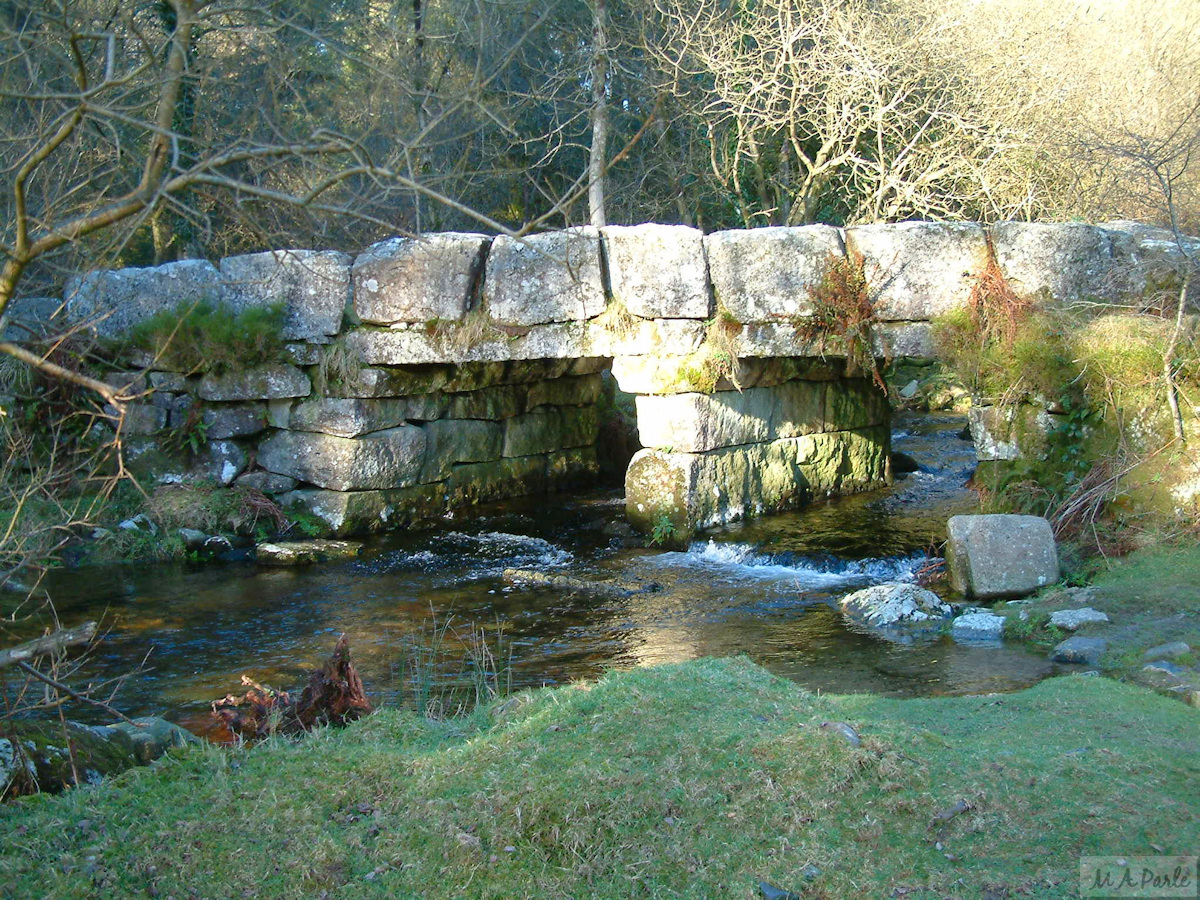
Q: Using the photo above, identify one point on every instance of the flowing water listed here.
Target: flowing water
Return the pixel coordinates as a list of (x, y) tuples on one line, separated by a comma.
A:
[(767, 588)]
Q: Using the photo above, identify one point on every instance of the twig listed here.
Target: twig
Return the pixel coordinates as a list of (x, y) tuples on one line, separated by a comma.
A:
[(82, 698)]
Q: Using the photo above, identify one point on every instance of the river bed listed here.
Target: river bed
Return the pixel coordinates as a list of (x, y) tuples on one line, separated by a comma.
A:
[(767, 588)]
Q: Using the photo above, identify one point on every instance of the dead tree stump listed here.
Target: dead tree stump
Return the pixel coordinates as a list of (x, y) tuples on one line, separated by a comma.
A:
[(334, 695)]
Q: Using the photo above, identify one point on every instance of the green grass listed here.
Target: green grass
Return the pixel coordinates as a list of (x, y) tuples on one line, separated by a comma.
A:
[(202, 336), (1152, 597), (692, 780)]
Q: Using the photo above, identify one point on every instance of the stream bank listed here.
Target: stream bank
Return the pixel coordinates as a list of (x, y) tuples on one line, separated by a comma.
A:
[(692, 779)]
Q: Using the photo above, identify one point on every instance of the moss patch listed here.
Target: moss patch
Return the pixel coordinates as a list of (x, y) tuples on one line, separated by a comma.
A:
[(203, 337)]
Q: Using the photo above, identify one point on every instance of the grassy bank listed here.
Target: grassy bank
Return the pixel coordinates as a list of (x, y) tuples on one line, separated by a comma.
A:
[(1152, 597), (693, 780)]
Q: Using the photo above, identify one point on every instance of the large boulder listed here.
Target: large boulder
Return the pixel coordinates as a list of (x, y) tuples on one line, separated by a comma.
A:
[(45, 756), (691, 491), (1148, 258), (274, 381), (350, 417), (548, 429), (361, 512), (451, 442), (919, 270), (1012, 431), (313, 287), (418, 279), (663, 373), (29, 318), (229, 420), (481, 342), (551, 277), (695, 422), (895, 605), (576, 390), (995, 556), (658, 271), (768, 274), (900, 340), (219, 461), (377, 461)]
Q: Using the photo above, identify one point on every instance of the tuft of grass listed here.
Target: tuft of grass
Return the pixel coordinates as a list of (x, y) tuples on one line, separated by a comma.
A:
[(616, 320), (203, 336), (458, 337), (697, 780), (451, 670), (338, 366)]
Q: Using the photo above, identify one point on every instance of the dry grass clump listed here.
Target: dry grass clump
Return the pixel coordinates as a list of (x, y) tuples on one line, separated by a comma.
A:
[(842, 308), (212, 508)]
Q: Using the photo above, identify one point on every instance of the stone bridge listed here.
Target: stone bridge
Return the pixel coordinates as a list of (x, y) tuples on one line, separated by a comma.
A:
[(428, 374)]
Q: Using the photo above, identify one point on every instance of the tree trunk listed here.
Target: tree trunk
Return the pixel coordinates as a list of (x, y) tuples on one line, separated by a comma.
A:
[(1169, 367), (596, 160), (419, 84)]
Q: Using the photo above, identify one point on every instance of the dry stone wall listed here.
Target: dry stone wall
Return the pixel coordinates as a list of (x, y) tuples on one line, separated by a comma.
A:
[(429, 373)]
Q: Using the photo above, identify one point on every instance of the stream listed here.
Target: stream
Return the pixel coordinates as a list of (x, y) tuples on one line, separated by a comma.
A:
[(767, 588)]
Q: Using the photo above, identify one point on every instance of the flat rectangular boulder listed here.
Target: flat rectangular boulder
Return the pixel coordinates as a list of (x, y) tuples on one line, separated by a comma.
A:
[(377, 461), (658, 271), (768, 274), (312, 286), (418, 279), (1063, 260), (998, 556), (697, 422), (919, 270), (692, 491), (543, 278)]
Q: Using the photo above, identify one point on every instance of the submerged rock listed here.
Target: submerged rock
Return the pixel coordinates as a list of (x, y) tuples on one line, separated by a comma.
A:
[(891, 605), (612, 589), (978, 626), (303, 553), (1084, 650)]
